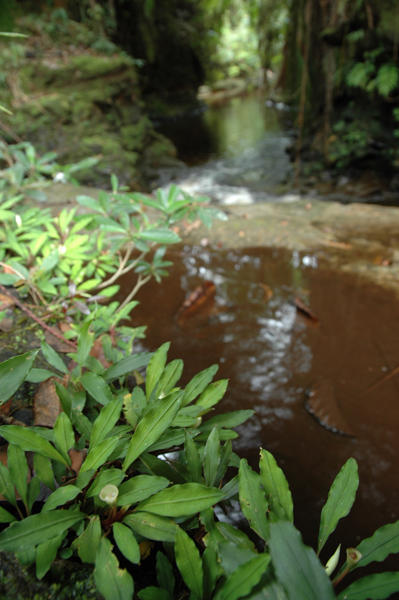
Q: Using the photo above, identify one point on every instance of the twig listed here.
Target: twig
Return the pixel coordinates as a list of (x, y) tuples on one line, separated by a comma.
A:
[(140, 282), (38, 320)]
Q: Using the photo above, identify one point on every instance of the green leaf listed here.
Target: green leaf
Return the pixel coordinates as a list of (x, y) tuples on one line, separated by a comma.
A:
[(46, 553), (252, 499), (211, 457), (212, 570), (296, 565), (126, 542), (232, 556), (7, 485), (18, 468), (39, 375), (169, 377), (96, 387), (165, 575), (30, 441), (198, 384), (230, 419), (53, 358), (106, 477), (383, 542), (60, 496), (64, 437), (127, 365), (340, 500), (85, 343), (152, 527), (154, 593), (89, 540), (140, 488), (5, 516), (152, 425), (98, 455), (193, 458), (105, 421), (276, 486), (159, 236), (36, 529), (155, 368), (111, 581), (182, 500), (13, 372), (372, 587), (241, 582), (189, 563), (213, 394)]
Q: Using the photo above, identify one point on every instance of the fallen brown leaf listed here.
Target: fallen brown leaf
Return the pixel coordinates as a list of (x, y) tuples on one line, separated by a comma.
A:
[(322, 404), (46, 404)]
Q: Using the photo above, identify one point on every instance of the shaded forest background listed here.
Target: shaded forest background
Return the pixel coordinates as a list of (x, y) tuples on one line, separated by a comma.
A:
[(334, 61)]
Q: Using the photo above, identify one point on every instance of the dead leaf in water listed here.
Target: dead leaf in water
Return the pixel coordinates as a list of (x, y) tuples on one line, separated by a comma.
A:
[(305, 310), (46, 405), (197, 300), (268, 292), (322, 404)]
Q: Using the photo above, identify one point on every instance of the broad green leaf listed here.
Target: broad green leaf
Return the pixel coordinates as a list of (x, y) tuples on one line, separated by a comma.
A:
[(296, 566), (189, 563), (198, 384), (140, 487), (372, 587), (96, 387), (340, 500), (230, 419), (89, 540), (36, 529), (211, 457), (46, 553), (64, 437), (98, 455), (383, 542), (241, 582), (18, 468), (111, 581), (252, 499), (126, 542), (154, 593), (105, 421), (212, 570), (165, 574), (276, 487), (152, 527), (5, 516), (182, 500), (213, 394), (127, 365), (53, 358), (155, 368), (193, 458), (228, 533), (30, 441), (13, 372), (169, 377), (106, 477), (39, 375), (159, 236), (85, 343), (152, 425), (6, 485), (60, 496)]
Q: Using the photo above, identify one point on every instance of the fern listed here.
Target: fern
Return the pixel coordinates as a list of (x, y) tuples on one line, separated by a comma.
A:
[(359, 74), (387, 79)]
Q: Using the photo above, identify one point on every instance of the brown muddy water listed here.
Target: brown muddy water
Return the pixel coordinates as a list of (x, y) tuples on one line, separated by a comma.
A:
[(274, 357)]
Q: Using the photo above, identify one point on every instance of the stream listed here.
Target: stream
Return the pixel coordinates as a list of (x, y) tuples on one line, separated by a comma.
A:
[(321, 389)]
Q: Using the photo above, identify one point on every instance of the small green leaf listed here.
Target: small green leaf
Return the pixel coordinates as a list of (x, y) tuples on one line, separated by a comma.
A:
[(89, 540), (96, 387), (44, 470), (105, 421), (60, 496), (5, 516), (340, 500), (18, 468), (152, 425), (152, 592), (30, 441), (276, 486), (106, 477), (127, 365), (126, 542), (198, 384), (85, 343), (241, 582), (252, 499), (296, 565), (169, 377), (372, 587), (98, 455), (152, 527), (213, 393), (140, 487), (211, 457), (189, 563), (64, 437), (36, 529), (193, 458), (165, 575), (155, 368), (46, 553), (6, 485), (383, 542), (13, 372), (159, 236), (181, 500), (111, 581), (53, 358)]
